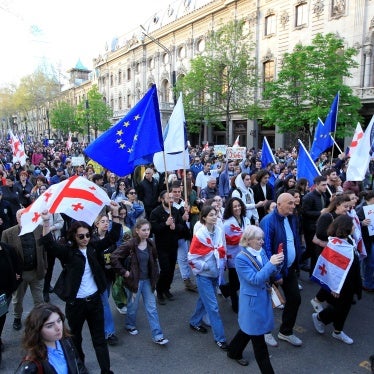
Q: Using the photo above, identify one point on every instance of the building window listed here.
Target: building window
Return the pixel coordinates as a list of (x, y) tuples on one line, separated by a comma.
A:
[(165, 58), (129, 74), (111, 80), (128, 100), (182, 52), (137, 68), (119, 102), (119, 77), (165, 91), (112, 103), (270, 25), (151, 63), (269, 68), (301, 15), (200, 45)]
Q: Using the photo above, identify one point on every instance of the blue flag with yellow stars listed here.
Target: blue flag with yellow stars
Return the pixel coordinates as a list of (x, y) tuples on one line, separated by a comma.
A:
[(131, 141)]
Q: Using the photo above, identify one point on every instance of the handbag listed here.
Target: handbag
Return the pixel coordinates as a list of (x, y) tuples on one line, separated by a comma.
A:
[(277, 298), (3, 304)]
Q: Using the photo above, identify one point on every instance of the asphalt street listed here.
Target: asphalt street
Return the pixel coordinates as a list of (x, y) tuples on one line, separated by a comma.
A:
[(191, 352)]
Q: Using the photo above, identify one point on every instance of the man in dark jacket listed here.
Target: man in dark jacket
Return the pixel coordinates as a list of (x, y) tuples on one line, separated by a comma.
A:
[(167, 227), (281, 228), (148, 191)]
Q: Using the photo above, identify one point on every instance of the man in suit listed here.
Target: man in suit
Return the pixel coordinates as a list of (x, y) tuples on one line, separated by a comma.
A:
[(33, 266), (262, 191)]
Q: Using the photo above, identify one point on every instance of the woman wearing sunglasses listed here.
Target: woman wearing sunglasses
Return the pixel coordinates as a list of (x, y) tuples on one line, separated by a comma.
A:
[(84, 281)]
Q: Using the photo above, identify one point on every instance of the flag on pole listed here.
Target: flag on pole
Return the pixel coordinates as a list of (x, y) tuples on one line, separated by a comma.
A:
[(333, 264), (359, 162), (131, 141), (175, 142), (357, 136), (236, 143), (266, 154), (77, 197), (332, 117), (206, 147), (306, 168), (322, 140), (69, 143), (18, 149)]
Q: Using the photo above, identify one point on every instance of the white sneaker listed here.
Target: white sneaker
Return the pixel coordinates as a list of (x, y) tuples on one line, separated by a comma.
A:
[(161, 341), (133, 331), (342, 337), (280, 306), (122, 310), (270, 341), (317, 306), (292, 339), (318, 325), (300, 286)]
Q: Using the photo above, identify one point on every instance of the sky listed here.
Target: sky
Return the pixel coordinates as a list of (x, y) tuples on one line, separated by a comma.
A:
[(45, 32)]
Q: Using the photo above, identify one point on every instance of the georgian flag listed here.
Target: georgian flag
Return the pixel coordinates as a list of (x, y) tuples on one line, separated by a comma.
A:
[(357, 136), (333, 264), (18, 149), (77, 197)]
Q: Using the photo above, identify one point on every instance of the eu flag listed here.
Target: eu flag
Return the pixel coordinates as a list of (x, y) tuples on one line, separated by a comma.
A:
[(266, 154), (131, 141), (331, 119), (322, 140), (306, 168)]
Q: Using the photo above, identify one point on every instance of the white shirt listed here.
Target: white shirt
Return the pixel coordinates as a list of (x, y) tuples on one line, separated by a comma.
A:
[(202, 179), (88, 285)]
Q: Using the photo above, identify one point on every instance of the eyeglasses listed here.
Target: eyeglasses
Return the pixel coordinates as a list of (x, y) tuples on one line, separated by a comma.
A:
[(122, 184), (81, 236), (132, 193)]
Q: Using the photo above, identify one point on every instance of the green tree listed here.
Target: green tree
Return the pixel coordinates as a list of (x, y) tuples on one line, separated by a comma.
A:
[(307, 83), (93, 112), (221, 81), (63, 117)]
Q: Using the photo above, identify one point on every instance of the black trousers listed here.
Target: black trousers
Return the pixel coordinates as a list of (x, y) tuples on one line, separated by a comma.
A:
[(167, 260), (90, 310), (234, 286), (291, 292), (337, 309), (260, 349), (48, 275)]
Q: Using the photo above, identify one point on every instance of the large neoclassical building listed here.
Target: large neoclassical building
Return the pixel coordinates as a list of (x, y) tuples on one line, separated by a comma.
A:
[(161, 49)]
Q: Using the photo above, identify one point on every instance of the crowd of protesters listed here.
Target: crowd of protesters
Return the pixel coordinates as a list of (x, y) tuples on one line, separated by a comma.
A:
[(235, 227)]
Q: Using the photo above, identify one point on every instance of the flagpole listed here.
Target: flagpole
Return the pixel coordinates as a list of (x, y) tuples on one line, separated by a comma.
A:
[(333, 137), (166, 181), (337, 146)]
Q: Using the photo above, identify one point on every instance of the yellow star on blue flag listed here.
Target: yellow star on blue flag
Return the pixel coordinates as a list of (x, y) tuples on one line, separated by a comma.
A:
[(133, 140)]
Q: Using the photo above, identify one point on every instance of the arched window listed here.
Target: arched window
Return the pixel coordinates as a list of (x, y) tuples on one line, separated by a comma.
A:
[(270, 24), (165, 89)]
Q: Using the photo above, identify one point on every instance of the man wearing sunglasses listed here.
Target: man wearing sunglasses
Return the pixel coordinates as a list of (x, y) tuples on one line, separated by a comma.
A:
[(84, 281)]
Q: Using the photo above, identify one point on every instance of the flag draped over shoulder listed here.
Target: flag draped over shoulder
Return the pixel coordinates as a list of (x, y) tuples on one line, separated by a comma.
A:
[(322, 140), (77, 197), (333, 264), (18, 149), (131, 141), (266, 154), (306, 168), (175, 142), (357, 136), (359, 162)]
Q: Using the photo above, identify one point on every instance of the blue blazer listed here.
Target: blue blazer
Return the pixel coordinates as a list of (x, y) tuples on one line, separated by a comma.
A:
[(255, 309)]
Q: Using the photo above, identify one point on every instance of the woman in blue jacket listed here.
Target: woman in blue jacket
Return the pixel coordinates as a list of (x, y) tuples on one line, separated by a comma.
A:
[(255, 310)]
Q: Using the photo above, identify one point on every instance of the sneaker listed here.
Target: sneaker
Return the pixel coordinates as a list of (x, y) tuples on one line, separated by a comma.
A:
[(200, 329), (342, 337), (318, 325), (112, 339), (161, 300), (169, 295), (292, 339), (270, 341), (17, 324), (317, 306), (300, 286), (132, 331), (280, 306), (223, 346), (122, 310), (161, 341)]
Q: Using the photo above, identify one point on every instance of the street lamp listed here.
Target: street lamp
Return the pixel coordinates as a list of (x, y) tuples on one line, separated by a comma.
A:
[(167, 50), (48, 124)]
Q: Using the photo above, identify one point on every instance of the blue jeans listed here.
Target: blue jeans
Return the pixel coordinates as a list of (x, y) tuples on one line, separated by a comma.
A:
[(108, 317), (207, 303), (367, 269), (149, 301), (184, 268)]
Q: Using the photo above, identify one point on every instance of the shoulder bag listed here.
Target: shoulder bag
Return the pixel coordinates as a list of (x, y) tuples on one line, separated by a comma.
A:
[(277, 298)]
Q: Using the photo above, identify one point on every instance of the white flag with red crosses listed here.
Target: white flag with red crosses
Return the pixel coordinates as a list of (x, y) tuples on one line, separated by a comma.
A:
[(357, 136), (18, 149), (333, 264), (77, 197)]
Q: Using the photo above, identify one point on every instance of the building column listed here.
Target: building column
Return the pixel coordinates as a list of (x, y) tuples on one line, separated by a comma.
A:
[(251, 133)]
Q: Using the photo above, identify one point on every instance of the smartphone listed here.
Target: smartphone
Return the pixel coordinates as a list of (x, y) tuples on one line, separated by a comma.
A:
[(280, 248)]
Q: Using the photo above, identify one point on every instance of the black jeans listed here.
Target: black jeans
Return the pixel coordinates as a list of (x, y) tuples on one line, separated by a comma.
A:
[(291, 291), (90, 310), (234, 286), (167, 260), (260, 349), (48, 275)]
